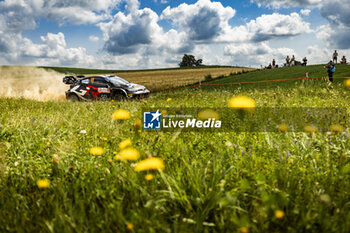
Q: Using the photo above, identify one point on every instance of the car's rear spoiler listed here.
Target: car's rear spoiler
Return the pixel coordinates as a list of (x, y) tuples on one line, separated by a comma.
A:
[(71, 79)]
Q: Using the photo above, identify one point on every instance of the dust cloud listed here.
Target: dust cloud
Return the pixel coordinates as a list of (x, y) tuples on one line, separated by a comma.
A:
[(31, 83)]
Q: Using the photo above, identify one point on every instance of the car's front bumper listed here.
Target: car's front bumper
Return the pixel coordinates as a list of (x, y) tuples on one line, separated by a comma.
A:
[(138, 94)]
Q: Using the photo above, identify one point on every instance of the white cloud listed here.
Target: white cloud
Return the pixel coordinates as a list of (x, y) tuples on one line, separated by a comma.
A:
[(52, 51), (257, 54), (305, 12), (22, 14), (94, 38), (286, 3), (202, 21)]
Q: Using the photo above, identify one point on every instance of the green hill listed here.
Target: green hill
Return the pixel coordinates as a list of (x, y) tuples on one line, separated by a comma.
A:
[(280, 74)]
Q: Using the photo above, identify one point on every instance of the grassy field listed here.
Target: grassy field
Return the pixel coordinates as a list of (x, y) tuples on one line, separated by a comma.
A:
[(212, 182)]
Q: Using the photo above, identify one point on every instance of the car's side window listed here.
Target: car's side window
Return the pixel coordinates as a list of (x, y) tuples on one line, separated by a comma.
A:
[(98, 80)]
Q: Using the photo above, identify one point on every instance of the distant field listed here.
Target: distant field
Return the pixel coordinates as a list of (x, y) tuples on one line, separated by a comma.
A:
[(170, 78)]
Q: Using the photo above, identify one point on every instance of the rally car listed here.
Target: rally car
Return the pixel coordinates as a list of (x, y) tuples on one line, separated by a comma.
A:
[(102, 87)]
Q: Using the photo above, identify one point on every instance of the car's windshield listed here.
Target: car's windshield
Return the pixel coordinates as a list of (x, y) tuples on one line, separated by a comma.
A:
[(117, 80)]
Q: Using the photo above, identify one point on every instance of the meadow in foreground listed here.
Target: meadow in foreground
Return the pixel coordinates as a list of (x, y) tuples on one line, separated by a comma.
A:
[(51, 180)]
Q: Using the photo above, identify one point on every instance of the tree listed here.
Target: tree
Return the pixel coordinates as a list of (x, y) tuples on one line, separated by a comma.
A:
[(189, 61)]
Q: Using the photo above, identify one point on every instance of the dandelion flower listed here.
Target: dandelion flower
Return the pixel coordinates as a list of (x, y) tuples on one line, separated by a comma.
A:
[(130, 226), (337, 128), (43, 184), (128, 154), (310, 129), (168, 100), (208, 114), (279, 214), (121, 114), (124, 144), (242, 103), (138, 123), (244, 230), (282, 127), (347, 83), (167, 106), (149, 177), (105, 139), (149, 164), (48, 143), (97, 151)]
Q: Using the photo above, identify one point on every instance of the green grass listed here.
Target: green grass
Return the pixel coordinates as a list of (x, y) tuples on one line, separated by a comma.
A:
[(212, 182)]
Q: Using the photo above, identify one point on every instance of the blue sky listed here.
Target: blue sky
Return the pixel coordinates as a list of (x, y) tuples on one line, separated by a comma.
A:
[(132, 34)]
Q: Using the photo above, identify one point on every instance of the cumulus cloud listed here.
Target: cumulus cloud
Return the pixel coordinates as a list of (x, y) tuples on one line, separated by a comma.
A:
[(256, 54), (94, 38), (21, 15), (286, 3), (305, 12), (202, 21), (337, 33), (52, 51), (267, 27), (125, 33)]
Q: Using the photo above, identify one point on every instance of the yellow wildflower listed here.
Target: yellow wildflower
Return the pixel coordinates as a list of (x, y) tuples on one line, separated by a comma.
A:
[(137, 123), (43, 184), (279, 214), (167, 106), (130, 226), (282, 127), (124, 144), (149, 177), (97, 151), (48, 143), (128, 154), (121, 114), (310, 129), (244, 229), (347, 83), (168, 100), (208, 114), (337, 128), (242, 103), (151, 163)]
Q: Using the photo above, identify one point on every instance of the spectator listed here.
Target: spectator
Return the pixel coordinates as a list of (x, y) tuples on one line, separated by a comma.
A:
[(304, 61), (287, 61), (330, 69), (335, 56), (343, 60), (273, 63), (269, 66), (293, 61)]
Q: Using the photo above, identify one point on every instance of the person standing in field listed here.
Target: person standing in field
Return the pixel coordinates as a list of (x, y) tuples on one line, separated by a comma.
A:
[(330, 69), (287, 60), (335, 56), (293, 61), (273, 63)]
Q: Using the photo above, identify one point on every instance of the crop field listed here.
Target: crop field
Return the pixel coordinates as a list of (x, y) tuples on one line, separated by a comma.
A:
[(169, 78), (90, 167)]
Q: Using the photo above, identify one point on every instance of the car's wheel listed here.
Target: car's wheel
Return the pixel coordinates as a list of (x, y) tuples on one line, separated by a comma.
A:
[(73, 98)]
